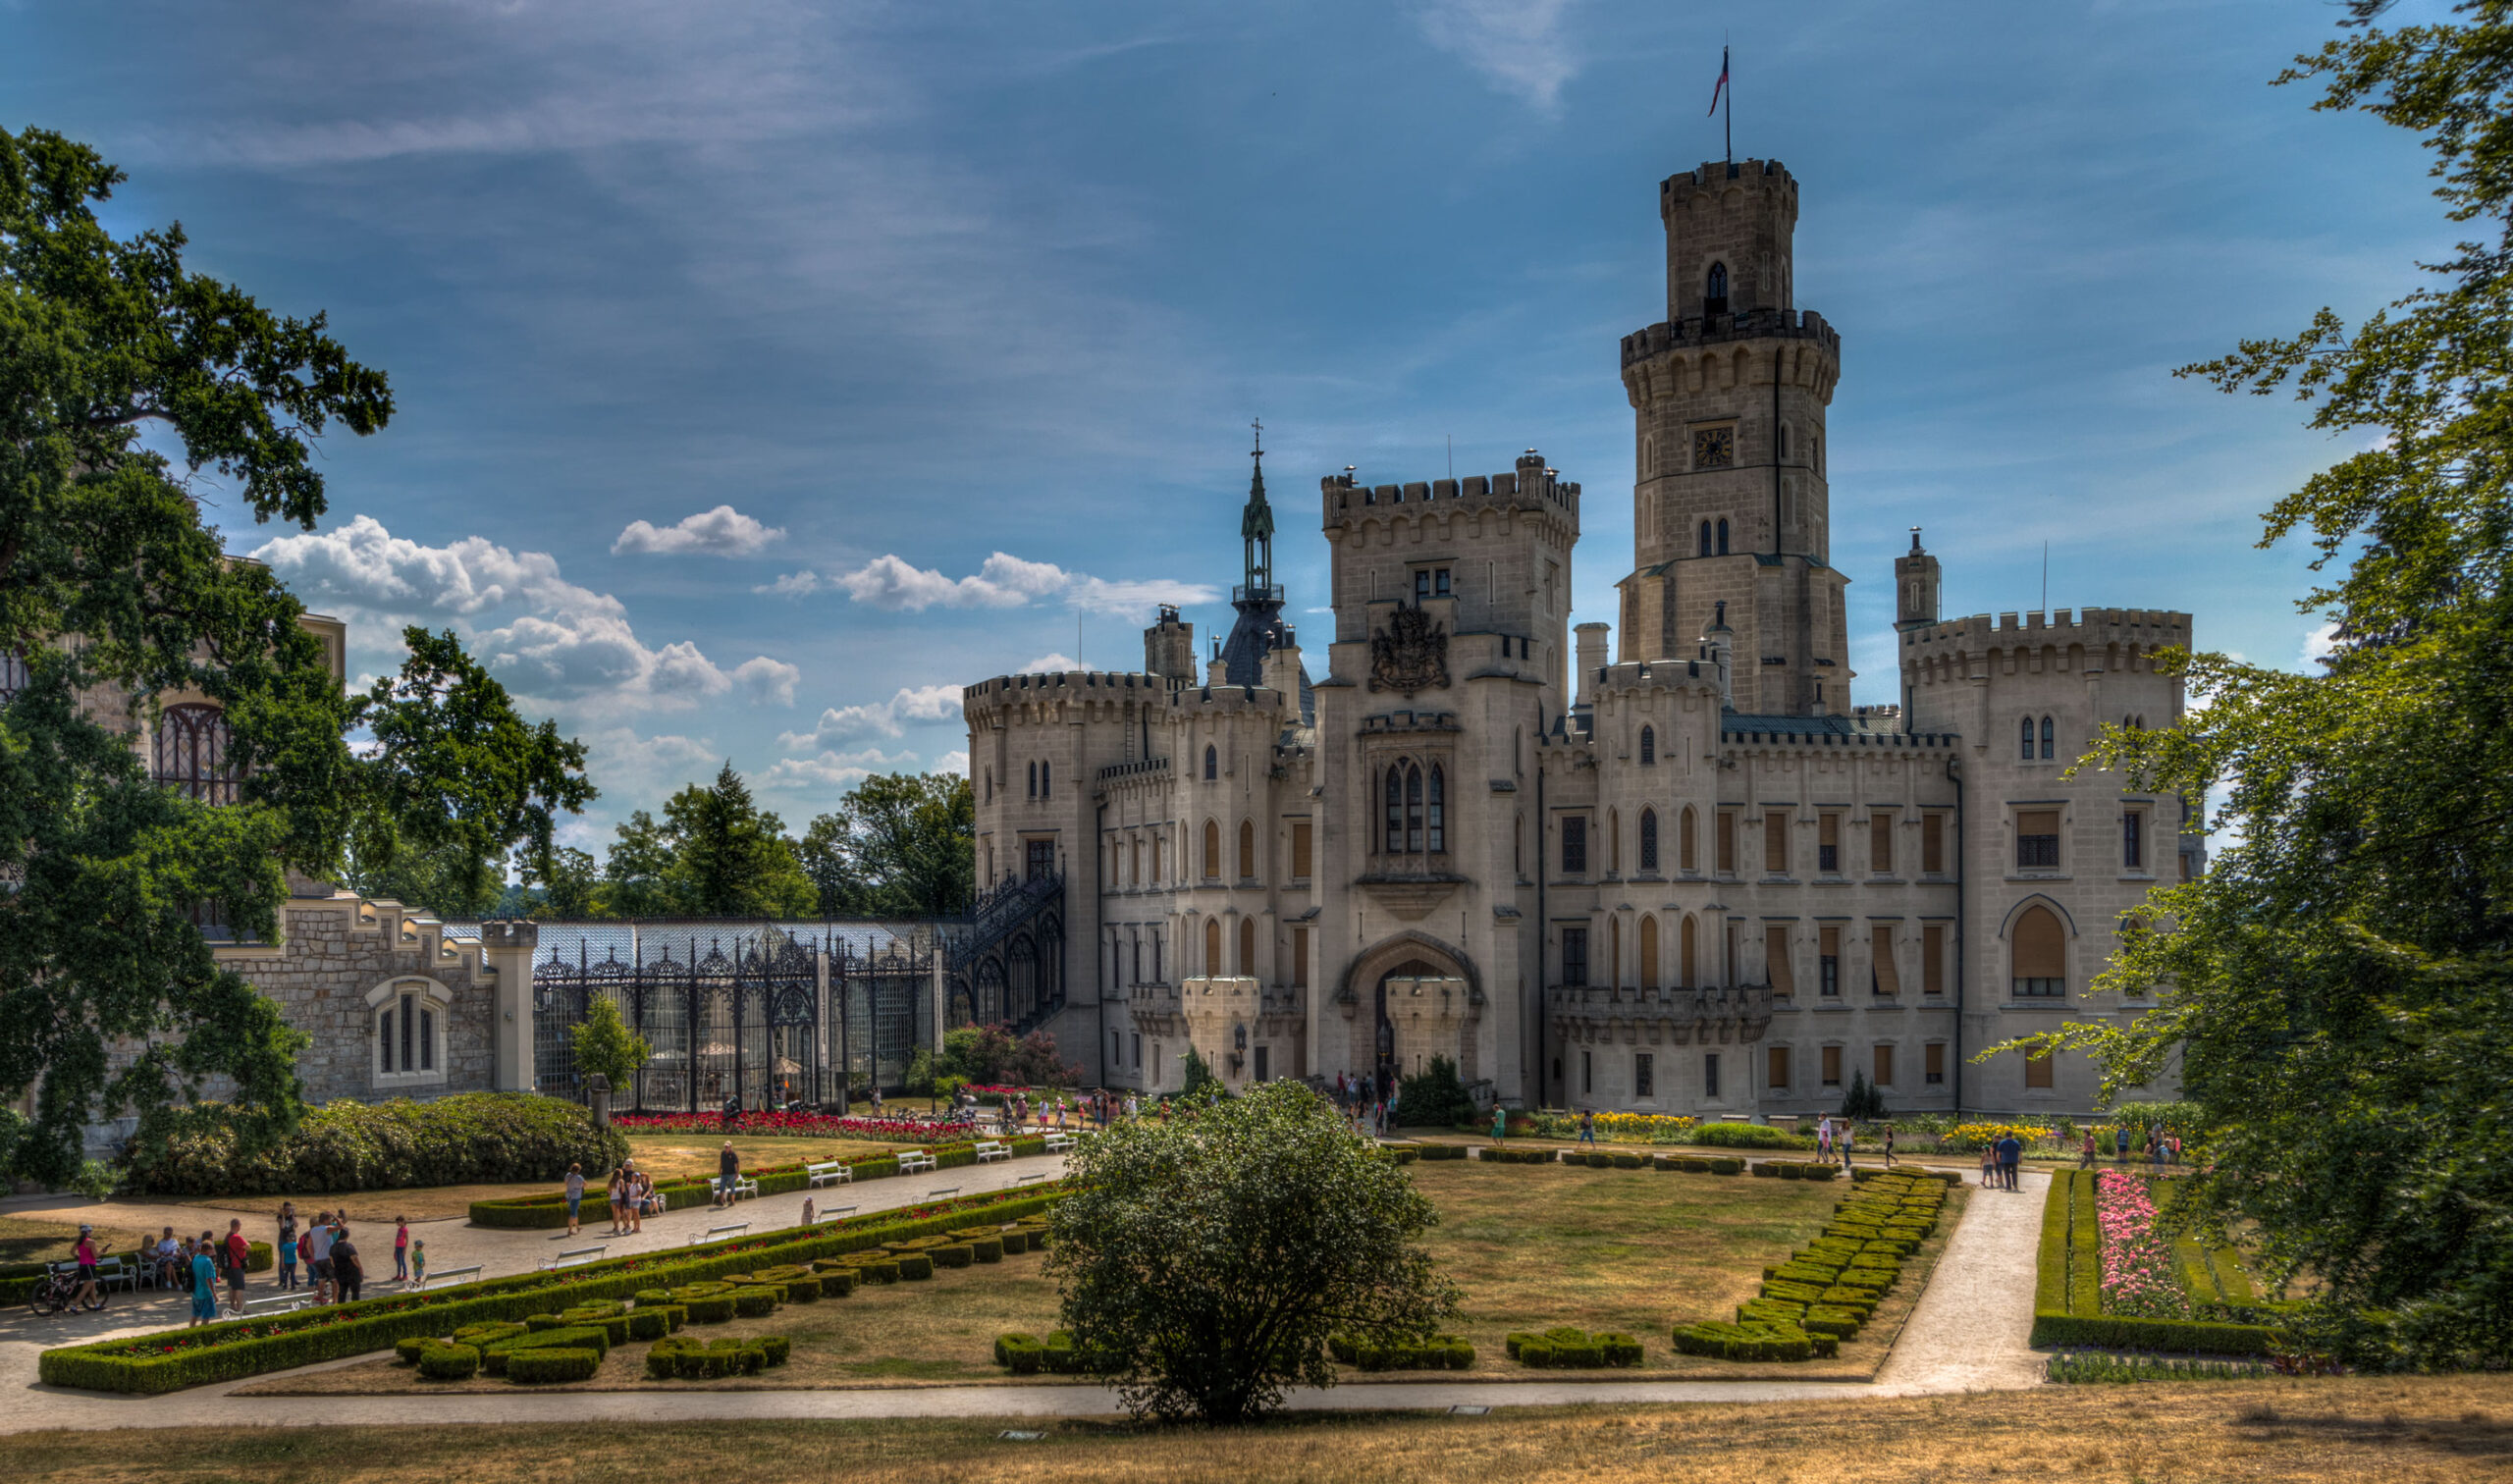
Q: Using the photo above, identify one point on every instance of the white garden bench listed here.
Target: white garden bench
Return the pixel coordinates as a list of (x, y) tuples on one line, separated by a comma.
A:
[(1026, 1180), (442, 1274), (714, 1233), (835, 1172), (942, 1192), (834, 1213), (988, 1151), (743, 1186), (1057, 1144), (917, 1162), (575, 1257), (277, 1304)]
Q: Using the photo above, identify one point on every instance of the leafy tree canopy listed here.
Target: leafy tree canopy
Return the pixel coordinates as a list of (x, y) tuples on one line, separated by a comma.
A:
[(605, 1046), (2335, 991), (900, 845), (1434, 1098), (117, 602), (1206, 1259), (715, 852)]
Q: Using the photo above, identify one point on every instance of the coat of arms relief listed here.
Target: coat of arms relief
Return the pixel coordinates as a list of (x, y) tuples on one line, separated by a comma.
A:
[(1410, 653)]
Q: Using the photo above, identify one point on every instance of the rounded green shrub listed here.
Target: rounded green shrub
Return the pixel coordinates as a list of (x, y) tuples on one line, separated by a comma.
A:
[(838, 1283), (406, 1351), (443, 1361), (1015, 1243), (754, 1302), (777, 1348), (545, 1367), (1020, 1353), (649, 1323), (957, 1256), (916, 1266)]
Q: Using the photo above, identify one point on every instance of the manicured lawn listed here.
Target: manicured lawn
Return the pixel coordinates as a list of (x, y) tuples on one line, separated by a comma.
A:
[(1533, 1246), (2347, 1430)]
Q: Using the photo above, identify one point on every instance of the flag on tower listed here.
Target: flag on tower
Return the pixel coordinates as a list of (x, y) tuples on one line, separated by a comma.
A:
[(1721, 84)]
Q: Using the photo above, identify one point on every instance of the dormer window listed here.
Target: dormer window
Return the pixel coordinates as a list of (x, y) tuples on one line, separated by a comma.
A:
[(1714, 293)]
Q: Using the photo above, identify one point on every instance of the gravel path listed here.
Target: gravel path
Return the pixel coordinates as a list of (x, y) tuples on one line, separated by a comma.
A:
[(1967, 1333)]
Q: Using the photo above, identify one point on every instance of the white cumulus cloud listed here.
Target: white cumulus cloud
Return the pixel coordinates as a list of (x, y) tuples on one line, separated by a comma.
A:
[(887, 719), (1516, 44), (721, 532), (955, 762), (833, 770), (540, 633), (792, 584), (892, 582)]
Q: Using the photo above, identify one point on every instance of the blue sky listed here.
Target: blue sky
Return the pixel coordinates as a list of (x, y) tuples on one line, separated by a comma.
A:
[(766, 372)]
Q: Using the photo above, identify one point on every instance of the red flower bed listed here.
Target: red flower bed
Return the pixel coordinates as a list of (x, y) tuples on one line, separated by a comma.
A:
[(797, 1126)]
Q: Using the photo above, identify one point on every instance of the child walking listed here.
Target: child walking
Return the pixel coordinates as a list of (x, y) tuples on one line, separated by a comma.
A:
[(418, 1264)]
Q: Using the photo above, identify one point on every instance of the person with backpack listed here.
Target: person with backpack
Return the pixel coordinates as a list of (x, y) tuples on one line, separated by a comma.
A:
[(348, 1274)]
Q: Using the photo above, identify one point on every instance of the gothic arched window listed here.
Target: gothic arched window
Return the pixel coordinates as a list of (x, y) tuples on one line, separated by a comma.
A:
[(1213, 851), (1705, 538), (1246, 851), (2048, 746), (1648, 839), (1212, 764), (1396, 810), (1723, 538), (1436, 839), (1412, 811), (2027, 735), (191, 753), (1045, 788), (1034, 781), (14, 677), (1714, 294), (1783, 440), (1246, 947), (1648, 745)]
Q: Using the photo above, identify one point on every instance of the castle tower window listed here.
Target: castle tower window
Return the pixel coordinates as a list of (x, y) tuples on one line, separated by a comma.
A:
[(1246, 851), (1213, 946), (1710, 1075), (1933, 845), (1714, 290), (1045, 786), (1932, 959), (1723, 538), (1705, 538), (2133, 844), (1879, 843), (1575, 845), (1727, 855), (1648, 746), (191, 753), (1648, 841), (1775, 843), (1687, 954), (1574, 957), (2038, 946), (1828, 844), (2037, 839), (1213, 851), (989, 785), (1783, 440), (1246, 947), (1436, 828), (1648, 952), (1775, 964), (2048, 746), (1412, 811), (2026, 733), (1613, 953), (1302, 850), (1396, 810), (1644, 1074), (1686, 859), (1034, 781), (1212, 764)]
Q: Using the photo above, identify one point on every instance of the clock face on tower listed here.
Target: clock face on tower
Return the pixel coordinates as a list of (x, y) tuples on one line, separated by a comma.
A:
[(1714, 447)]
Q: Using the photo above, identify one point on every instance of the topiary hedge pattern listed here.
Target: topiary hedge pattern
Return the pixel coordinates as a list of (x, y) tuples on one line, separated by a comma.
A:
[(548, 1210), (683, 1359), (1693, 1164), (1436, 1352), (165, 1361), (1026, 1355), (1825, 1293), (1568, 1348)]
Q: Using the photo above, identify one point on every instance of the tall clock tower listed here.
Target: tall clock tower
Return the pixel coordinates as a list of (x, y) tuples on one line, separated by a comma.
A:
[(1730, 504)]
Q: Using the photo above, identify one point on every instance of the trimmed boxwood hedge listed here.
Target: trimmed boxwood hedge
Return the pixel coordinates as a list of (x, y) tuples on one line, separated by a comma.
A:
[(1566, 1347), (445, 1361), (1443, 1151), (539, 1367), (1438, 1353), (2067, 1291), (171, 1360), (548, 1209), (691, 1359), (469, 1139)]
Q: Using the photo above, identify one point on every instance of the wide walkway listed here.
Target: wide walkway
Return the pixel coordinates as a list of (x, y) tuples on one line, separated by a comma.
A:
[(1967, 1333)]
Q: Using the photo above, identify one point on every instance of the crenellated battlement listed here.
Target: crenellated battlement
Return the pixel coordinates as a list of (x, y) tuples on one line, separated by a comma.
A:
[(1536, 490), (1705, 331), (1656, 674), (1713, 177), (2129, 630)]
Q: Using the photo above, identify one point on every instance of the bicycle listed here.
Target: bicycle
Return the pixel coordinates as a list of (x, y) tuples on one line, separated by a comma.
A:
[(57, 1291)]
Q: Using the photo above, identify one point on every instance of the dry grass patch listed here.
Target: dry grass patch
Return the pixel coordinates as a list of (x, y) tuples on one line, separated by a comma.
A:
[(2357, 1430), (26, 1240)]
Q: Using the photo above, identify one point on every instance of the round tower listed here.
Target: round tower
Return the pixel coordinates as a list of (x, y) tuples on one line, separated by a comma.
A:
[(1728, 394)]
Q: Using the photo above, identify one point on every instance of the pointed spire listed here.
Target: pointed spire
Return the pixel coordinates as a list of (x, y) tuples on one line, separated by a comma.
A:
[(1256, 522)]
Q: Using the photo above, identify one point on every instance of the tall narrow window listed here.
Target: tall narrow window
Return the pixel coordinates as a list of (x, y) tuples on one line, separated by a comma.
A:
[(1933, 1063), (1588, 1072), (1414, 811), (2027, 734), (1575, 956), (1613, 953), (1885, 976), (1686, 859), (1300, 958), (408, 1004), (1727, 843), (1884, 1076), (2133, 845), (1688, 954), (1775, 843), (1932, 959), (1575, 844), (1723, 538), (1648, 746), (1649, 951), (1644, 1074), (1213, 851), (1045, 788), (1776, 1067), (1212, 945), (1212, 763), (1303, 849), (1435, 827), (1879, 843), (2040, 949), (1247, 850), (15, 676), (1705, 538), (1784, 440), (1828, 961), (1246, 947), (1710, 1075), (1775, 964), (1832, 1066), (1396, 810), (1828, 844), (1714, 290), (2049, 746), (1649, 840), (1933, 845)]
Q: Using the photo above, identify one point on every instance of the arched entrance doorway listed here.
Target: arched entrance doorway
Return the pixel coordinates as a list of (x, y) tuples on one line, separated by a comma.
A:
[(1390, 1058)]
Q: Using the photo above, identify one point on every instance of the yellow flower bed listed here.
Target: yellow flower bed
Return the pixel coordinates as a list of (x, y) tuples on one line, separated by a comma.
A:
[(1642, 1128), (1980, 1136)]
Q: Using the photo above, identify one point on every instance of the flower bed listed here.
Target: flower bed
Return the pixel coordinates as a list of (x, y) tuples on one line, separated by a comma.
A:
[(173, 1359), (550, 1210), (773, 1125), (2099, 1249)]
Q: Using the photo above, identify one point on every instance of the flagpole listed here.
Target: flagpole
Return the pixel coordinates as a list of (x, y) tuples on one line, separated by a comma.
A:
[(1729, 117)]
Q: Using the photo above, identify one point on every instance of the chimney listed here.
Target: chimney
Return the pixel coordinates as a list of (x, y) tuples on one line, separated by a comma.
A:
[(1593, 658)]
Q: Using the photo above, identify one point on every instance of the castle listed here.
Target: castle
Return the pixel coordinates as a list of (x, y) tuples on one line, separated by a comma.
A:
[(1665, 866)]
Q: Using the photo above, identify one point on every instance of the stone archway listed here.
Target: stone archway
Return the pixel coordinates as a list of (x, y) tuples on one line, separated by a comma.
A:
[(1406, 999)]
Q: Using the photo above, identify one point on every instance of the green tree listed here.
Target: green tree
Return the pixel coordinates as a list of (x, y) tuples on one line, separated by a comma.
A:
[(899, 845), (637, 874), (1206, 1259), (1199, 1076), (2334, 992), (1864, 1102), (101, 539), (567, 889), (439, 880), (715, 852), (605, 1046), (1435, 1098)]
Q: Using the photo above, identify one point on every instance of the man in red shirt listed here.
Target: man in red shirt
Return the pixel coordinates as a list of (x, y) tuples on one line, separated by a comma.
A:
[(238, 1252)]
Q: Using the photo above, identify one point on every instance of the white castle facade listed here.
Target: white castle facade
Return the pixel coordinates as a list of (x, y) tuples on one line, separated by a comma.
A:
[(1662, 866)]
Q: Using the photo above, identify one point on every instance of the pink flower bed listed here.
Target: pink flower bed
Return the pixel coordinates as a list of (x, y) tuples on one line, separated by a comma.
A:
[(797, 1126), (2138, 1276)]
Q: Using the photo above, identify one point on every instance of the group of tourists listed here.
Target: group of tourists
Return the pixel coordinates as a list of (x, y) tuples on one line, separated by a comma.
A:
[(2162, 1148), (1835, 1138), (333, 1266), (630, 1190), (1365, 1105)]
